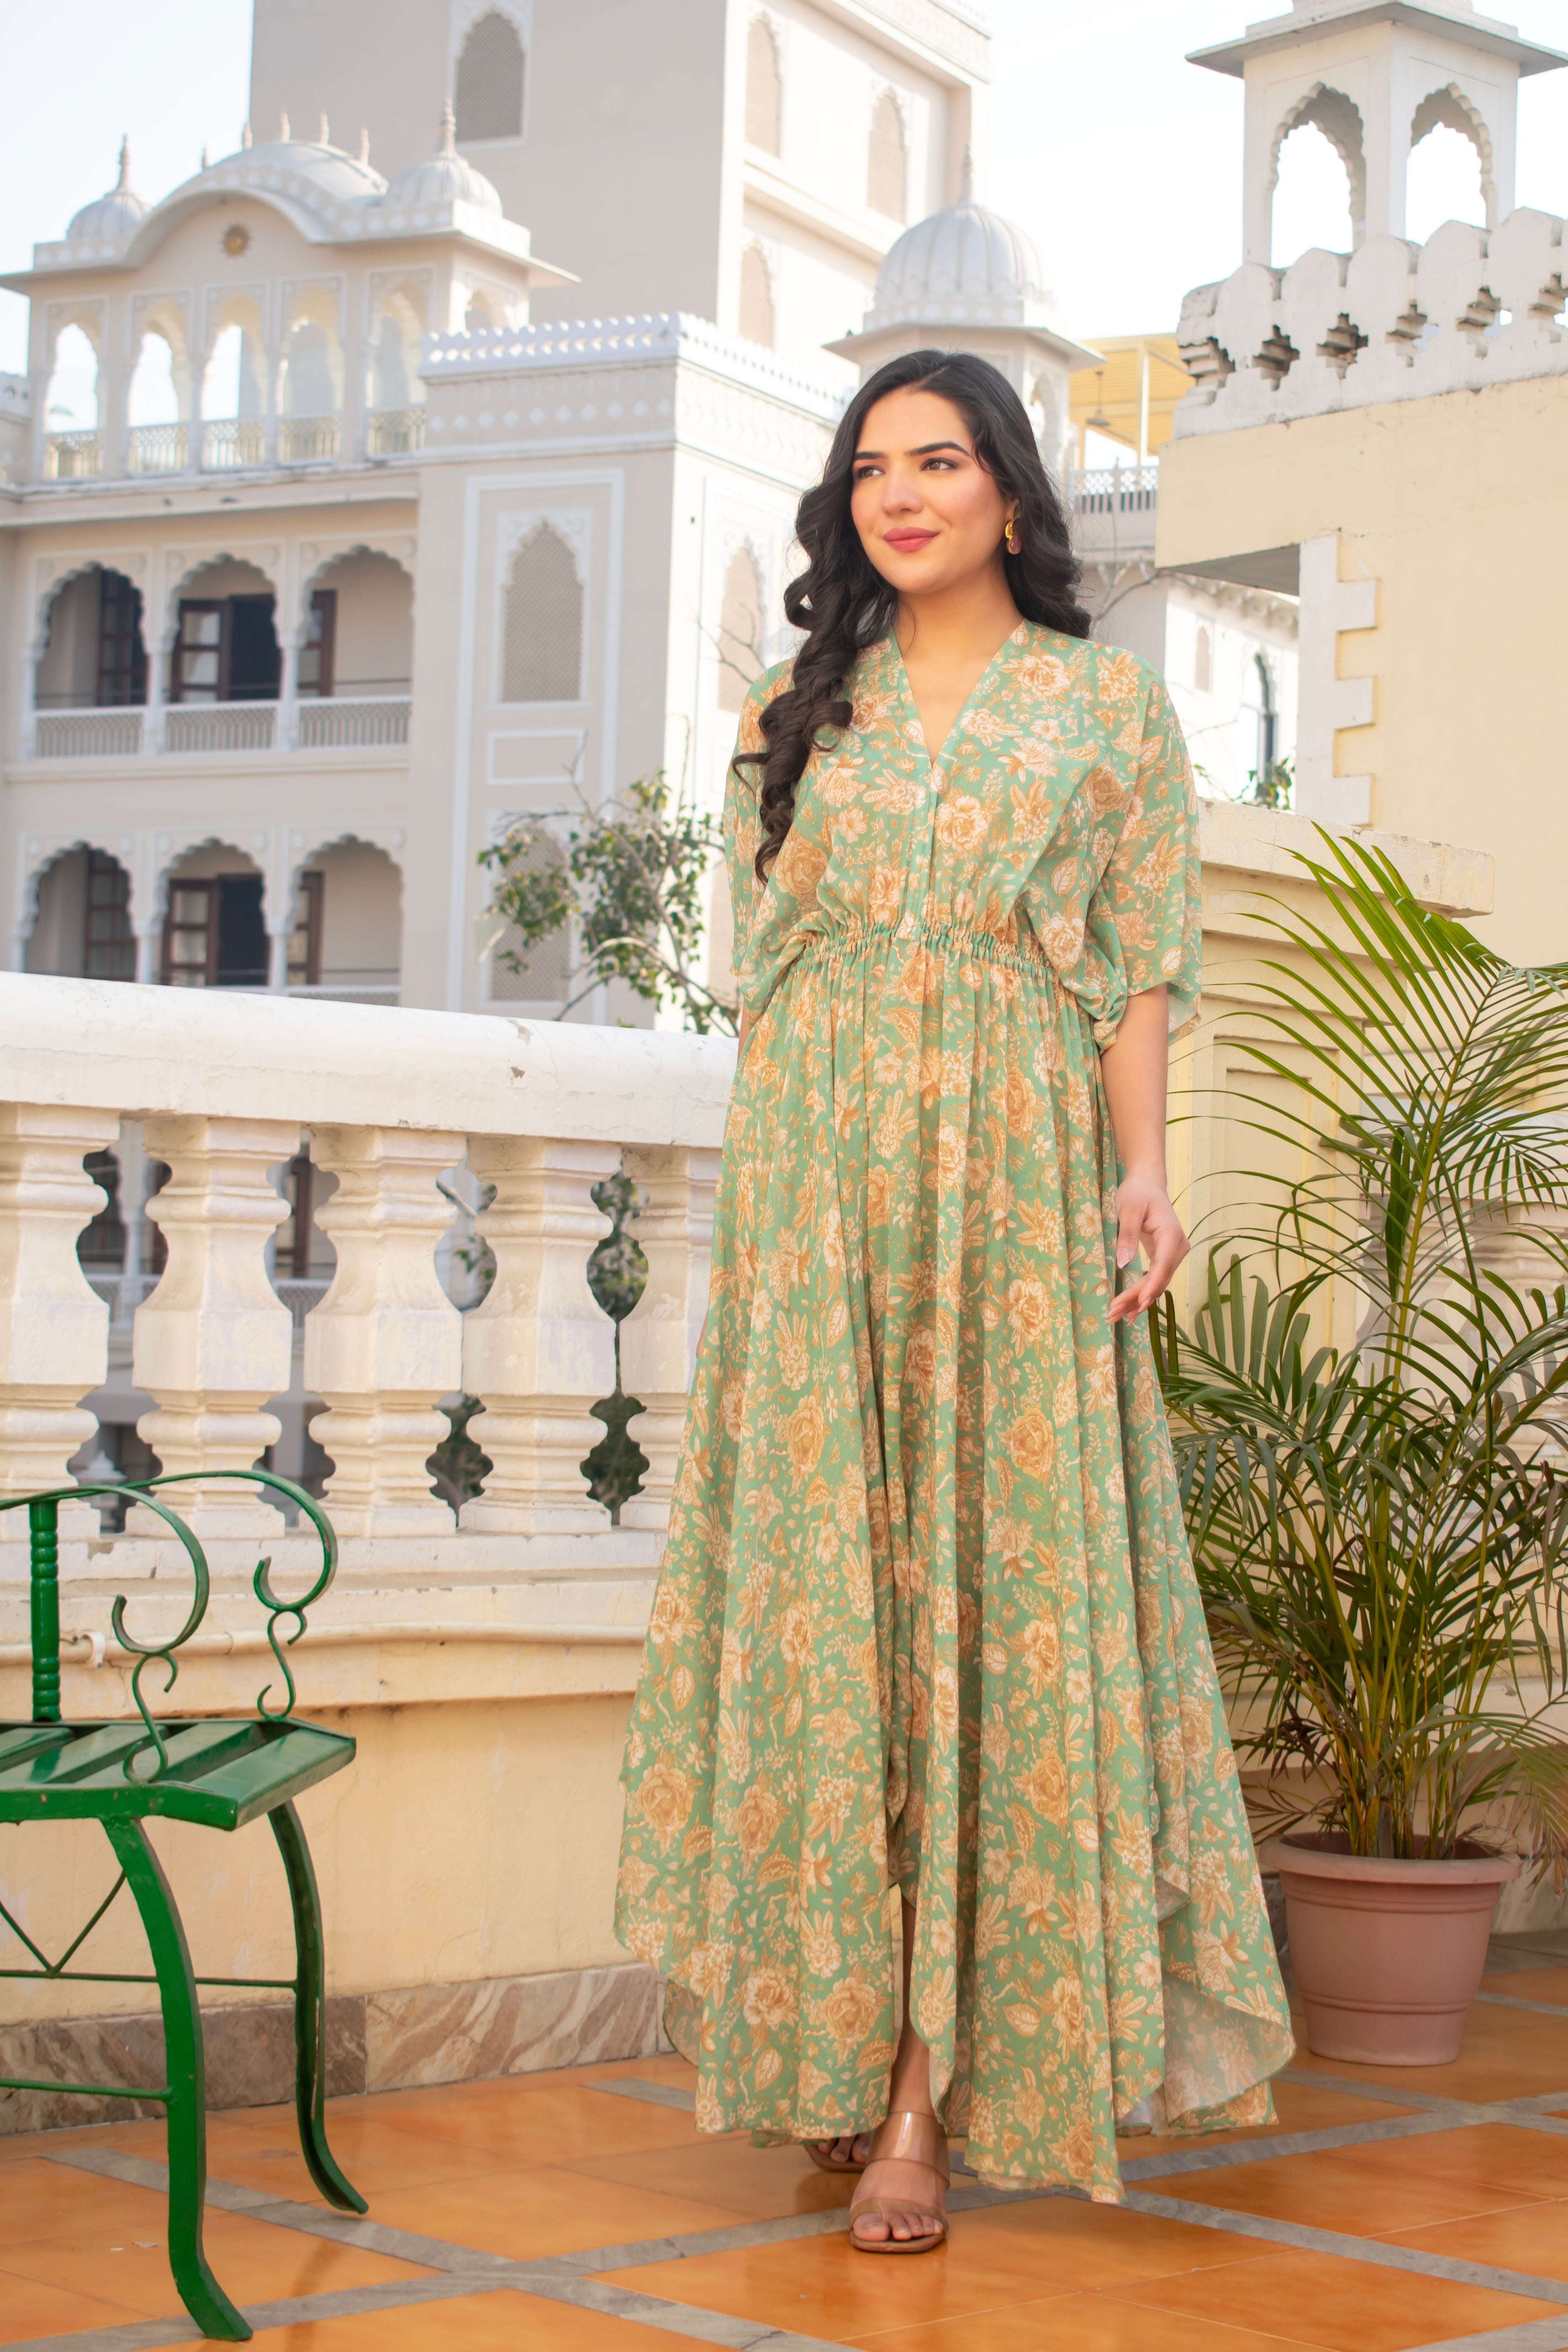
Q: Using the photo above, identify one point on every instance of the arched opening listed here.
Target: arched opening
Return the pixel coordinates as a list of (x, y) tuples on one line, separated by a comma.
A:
[(478, 319), (73, 445), (540, 974), (347, 938), (397, 395), (312, 385), (741, 657), (1319, 177), (758, 325), (487, 99), (82, 928), (542, 650), (94, 657), (214, 926), (234, 391), (1448, 177), (1259, 745), (1203, 661), (226, 644), (158, 404), (356, 663), (765, 88), (888, 162)]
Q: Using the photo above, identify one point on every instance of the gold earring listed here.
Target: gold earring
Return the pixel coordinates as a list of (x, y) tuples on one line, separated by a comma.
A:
[(1012, 540)]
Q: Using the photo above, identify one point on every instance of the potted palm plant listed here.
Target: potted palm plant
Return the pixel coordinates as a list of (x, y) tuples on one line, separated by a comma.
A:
[(1370, 1424)]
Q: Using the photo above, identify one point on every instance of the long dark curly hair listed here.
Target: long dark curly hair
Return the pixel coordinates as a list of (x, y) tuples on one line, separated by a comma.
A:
[(842, 601)]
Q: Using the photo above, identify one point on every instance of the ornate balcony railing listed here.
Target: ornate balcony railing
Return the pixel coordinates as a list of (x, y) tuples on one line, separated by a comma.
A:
[(306, 440), (395, 432), (356, 722), (229, 443), (1114, 490), (220, 727), (86, 734), (158, 448), (72, 456)]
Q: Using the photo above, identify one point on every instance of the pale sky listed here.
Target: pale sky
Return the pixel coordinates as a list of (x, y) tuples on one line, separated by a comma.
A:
[(1122, 161)]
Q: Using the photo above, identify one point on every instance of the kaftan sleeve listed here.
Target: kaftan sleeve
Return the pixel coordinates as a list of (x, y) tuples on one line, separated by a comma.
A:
[(1145, 919)]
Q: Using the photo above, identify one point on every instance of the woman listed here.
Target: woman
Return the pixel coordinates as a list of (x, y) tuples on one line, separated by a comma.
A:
[(928, 1692)]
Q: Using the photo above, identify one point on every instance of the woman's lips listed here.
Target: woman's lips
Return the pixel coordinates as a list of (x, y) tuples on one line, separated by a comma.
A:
[(907, 541)]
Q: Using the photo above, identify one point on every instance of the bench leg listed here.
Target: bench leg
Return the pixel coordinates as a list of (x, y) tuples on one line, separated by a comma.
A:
[(186, 2074), (309, 2013)]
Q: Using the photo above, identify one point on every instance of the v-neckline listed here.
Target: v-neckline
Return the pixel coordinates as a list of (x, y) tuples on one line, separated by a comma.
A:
[(907, 692)]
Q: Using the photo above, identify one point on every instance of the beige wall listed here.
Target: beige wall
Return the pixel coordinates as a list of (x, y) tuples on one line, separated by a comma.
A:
[(1456, 506)]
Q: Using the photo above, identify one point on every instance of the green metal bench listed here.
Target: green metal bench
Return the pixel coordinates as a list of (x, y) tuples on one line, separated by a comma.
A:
[(219, 1774)]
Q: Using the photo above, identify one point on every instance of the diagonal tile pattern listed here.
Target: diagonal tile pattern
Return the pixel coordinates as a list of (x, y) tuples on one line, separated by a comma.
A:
[(1385, 2210)]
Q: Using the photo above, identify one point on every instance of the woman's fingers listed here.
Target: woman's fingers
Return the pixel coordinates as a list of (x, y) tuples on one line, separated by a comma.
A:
[(1158, 1230)]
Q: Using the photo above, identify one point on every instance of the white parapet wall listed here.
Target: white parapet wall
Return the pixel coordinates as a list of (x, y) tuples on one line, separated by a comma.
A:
[(1393, 320)]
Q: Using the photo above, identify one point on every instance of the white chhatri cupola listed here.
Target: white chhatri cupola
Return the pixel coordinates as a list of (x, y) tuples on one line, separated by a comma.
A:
[(1374, 77), (965, 280), (445, 178), (109, 218)]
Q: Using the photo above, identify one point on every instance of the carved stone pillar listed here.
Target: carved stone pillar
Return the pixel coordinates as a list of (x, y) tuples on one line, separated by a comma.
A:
[(54, 1330), (539, 1350), (659, 1339), (212, 1342), (386, 1343)]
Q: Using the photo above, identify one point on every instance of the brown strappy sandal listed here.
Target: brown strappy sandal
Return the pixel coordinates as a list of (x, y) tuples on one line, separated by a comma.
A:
[(916, 2140), (830, 2163)]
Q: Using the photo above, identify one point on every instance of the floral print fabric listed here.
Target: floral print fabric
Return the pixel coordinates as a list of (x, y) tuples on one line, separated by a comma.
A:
[(927, 1619)]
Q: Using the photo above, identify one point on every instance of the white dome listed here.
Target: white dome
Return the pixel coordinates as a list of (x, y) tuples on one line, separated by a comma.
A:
[(113, 216), (445, 179), (336, 172), (964, 264)]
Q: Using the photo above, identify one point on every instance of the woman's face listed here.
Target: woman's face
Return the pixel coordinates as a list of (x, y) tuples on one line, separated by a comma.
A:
[(929, 515)]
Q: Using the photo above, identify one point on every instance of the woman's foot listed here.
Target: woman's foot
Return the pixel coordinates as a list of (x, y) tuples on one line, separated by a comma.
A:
[(846, 2154), (900, 2202)]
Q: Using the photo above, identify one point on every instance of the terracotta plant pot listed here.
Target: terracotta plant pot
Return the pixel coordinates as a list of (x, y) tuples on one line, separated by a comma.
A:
[(1387, 1954)]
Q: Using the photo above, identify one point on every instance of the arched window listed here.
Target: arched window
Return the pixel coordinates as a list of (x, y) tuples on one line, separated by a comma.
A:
[(308, 387), (1445, 179), (756, 297), (488, 100), (540, 974), (232, 381), (1316, 198), (477, 318), (72, 443), (887, 172), (82, 930), (1203, 662), (765, 88), (1260, 721), (542, 653), (154, 395), (740, 631), (94, 657)]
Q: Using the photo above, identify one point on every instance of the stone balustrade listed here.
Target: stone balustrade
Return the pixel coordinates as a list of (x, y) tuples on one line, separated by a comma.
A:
[(1393, 320), (229, 1089)]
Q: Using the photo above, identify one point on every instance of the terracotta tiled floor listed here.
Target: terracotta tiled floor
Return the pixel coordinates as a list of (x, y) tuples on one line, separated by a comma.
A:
[(1416, 2214)]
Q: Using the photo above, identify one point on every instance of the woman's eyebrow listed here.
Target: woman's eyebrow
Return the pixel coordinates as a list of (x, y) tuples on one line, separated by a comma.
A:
[(926, 450)]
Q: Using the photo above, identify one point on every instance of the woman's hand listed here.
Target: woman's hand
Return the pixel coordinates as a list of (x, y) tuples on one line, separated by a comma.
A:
[(1145, 1219)]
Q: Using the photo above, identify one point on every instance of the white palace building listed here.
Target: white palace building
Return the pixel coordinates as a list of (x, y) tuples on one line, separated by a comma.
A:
[(340, 526)]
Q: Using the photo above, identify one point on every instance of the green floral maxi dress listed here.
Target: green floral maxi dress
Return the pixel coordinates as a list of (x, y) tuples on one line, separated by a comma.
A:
[(927, 1618)]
